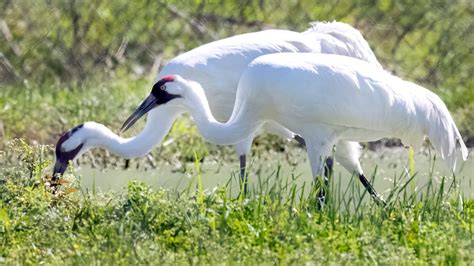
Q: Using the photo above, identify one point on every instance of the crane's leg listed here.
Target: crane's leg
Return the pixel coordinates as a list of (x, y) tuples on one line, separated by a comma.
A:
[(316, 159), (243, 148), (319, 151), (327, 174), (373, 193), (347, 154), (243, 175), (327, 169), (300, 140)]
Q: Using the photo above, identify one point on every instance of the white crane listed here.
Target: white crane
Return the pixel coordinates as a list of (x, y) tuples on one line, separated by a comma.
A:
[(329, 100), (218, 67)]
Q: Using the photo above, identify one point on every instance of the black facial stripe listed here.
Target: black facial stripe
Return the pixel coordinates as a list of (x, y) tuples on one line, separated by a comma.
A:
[(162, 96), (157, 87)]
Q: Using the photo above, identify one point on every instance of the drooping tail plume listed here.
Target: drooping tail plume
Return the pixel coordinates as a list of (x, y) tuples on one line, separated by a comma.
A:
[(443, 133)]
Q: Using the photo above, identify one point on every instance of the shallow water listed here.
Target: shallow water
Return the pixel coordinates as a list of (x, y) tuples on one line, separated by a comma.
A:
[(388, 164)]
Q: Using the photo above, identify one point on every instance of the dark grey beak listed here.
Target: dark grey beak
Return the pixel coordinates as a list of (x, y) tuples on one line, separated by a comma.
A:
[(149, 103), (59, 169), (63, 157)]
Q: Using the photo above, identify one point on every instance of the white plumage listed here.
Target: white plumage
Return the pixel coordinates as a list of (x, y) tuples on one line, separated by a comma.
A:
[(325, 99), (342, 39), (288, 88), (217, 66)]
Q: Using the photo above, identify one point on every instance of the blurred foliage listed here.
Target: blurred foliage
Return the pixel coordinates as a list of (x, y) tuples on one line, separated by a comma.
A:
[(427, 41), (430, 41)]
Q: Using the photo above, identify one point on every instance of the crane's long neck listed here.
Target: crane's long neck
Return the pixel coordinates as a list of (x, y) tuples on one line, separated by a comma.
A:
[(231, 132), (157, 126)]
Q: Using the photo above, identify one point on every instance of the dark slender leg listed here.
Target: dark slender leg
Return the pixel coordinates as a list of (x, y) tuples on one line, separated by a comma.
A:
[(243, 174), (371, 190), (300, 140), (327, 173), (328, 168)]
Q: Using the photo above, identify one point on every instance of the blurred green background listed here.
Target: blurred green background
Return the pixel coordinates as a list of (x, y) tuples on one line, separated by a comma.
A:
[(63, 62)]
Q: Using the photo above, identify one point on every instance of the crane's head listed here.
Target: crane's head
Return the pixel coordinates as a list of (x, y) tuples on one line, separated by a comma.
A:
[(168, 90), (69, 146)]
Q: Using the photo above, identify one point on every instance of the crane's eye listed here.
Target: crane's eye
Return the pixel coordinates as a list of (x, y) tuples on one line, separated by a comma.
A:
[(163, 87)]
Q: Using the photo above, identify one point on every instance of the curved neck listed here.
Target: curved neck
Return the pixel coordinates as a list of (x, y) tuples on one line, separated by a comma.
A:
[(158, 124), (231, 132)]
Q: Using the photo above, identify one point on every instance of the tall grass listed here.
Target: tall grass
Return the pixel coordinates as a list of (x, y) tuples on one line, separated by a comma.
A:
[(277, 222)]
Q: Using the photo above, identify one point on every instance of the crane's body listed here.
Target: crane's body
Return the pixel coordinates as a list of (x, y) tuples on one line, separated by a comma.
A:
[(349, 99), (359, 101), (218, 65), (326, 99)]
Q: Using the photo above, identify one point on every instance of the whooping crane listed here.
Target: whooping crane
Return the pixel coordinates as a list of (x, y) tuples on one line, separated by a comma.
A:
[(329, 100), (218, 67)]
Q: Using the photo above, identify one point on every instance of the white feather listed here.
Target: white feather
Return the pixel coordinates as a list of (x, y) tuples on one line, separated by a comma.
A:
[(346, 41), (328, 99), (218, 66)]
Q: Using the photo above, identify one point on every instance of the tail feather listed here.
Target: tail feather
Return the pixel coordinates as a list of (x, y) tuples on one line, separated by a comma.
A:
[(348, 41), (443, 133)]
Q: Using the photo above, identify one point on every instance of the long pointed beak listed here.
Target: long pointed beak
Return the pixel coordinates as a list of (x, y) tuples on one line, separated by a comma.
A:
[(149, 103), (59, 168)]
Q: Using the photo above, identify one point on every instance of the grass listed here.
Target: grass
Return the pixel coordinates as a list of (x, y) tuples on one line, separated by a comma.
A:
[(277, 223)]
